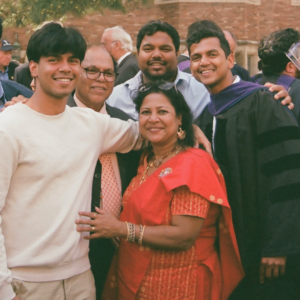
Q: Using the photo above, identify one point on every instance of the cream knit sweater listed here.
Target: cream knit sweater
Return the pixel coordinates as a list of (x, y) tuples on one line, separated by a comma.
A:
[(47, 165)]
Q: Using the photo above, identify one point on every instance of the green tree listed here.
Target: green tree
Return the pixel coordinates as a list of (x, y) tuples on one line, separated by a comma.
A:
[(23, 12)]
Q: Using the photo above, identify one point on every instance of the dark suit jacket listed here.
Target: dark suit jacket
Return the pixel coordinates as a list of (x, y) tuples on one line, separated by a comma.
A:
[(11, 69), (23, 75), (12, 89), (127, 69), (241, 72), (102, 250)]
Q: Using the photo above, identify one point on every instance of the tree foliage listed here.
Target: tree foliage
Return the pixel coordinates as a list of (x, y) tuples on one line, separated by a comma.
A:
[(23, 12)]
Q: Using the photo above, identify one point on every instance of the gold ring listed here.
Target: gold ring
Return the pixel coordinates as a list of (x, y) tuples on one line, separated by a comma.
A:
[(93, 228)]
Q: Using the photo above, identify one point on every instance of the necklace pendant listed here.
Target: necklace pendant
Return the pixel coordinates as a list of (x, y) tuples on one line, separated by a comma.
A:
[(157, 163)]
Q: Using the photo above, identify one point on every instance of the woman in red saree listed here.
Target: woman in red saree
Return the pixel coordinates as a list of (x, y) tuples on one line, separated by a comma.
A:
[(183, 244)]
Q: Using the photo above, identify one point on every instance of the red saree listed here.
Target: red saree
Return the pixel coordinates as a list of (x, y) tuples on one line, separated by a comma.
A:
[(215, 276)]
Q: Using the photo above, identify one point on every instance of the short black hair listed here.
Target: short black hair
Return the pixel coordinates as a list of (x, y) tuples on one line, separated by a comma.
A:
[(154, 26), (201, 25), (272, 48), (178, 102), (54, 39), (1, 28), (198, 36)]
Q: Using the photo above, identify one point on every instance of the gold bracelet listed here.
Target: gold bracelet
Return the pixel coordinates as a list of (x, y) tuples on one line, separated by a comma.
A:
[(131, 238), (140, 241), (127, 231)]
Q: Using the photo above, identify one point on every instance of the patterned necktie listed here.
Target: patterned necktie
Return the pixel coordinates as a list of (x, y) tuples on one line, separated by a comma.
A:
[(110, 193)]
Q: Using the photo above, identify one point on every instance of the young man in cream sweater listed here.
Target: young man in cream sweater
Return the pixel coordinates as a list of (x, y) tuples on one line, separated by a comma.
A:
[(49, 152)]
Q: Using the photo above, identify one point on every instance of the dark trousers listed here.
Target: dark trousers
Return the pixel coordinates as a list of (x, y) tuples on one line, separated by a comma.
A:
[(101, 254), (286, 287)]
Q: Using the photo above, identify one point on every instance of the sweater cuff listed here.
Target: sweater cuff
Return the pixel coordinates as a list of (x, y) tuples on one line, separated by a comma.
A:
[(6, 292)]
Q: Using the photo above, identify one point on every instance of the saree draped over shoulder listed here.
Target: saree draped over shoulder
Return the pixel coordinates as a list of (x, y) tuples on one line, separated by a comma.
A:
[(190, 183)]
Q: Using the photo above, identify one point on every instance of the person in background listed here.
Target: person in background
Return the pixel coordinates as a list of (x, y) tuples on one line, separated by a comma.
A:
[(174, 212), (7, 65), (279, 62), (236, 70), (10, 89), (113, 171), (256, 142), (184, 62), (119, 44), (22, 75)]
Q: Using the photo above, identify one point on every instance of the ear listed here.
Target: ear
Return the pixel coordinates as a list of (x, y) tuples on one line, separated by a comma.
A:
[(290, 67), (177, 53), (230, 60), (180, 119), (118, 45), (33, 67)]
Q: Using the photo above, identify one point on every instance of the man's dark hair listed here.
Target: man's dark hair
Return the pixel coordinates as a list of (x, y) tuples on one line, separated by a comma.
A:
[(201, 25), (198, 36), (179, 104), (154, 26), (54, 39), (272, 48), (1, 28)]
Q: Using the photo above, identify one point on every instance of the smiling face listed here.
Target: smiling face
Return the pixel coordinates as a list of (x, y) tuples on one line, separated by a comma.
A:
[(210, 66), (55, 75), (157, 57), (92, 92), (158, 121)]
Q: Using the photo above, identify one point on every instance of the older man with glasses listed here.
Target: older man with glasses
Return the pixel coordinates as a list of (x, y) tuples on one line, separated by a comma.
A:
[(114, 171)]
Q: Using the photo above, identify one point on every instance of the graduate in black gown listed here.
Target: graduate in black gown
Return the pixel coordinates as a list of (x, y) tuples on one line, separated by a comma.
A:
[(256, 142)]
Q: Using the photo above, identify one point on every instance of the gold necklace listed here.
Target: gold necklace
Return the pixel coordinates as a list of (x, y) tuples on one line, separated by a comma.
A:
[(151, 165), (157, 162)]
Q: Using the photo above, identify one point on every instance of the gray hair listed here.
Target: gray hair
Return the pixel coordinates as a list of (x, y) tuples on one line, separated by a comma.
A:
[(119, 34)]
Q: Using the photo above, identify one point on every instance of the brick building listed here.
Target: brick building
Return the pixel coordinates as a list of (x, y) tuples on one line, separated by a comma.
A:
[(250, 20)]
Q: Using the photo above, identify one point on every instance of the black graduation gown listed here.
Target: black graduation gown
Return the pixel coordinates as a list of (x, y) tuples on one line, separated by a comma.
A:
[(257, 146), (293, 89)]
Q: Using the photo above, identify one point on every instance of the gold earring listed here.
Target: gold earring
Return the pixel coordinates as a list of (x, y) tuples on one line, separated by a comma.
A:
[(181, 133)]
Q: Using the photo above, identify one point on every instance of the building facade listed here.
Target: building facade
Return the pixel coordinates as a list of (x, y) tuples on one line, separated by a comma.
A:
[(249, 20)]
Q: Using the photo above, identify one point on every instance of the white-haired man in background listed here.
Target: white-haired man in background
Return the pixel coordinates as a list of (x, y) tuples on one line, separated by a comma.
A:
[(119, 44)]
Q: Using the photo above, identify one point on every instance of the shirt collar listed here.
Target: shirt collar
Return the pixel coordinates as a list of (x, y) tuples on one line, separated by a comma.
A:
[(5, 71), (122, 57), (80, 104), (137, 80), (236, 79)]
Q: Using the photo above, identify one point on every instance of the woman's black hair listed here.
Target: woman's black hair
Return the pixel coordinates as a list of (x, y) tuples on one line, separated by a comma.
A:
[(177, 101), (54, 39)]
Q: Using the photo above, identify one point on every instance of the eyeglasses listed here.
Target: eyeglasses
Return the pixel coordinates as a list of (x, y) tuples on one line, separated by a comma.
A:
[(294, 54), (94, 74), (161, 84)]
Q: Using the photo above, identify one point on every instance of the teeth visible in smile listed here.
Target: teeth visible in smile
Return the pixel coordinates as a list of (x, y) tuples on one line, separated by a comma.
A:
[(206, 72), (156, 64), (154, 129), (63, 80)]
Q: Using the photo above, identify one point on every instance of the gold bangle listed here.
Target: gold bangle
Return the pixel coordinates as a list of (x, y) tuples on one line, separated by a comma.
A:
[(127, 230), (140, 241)]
